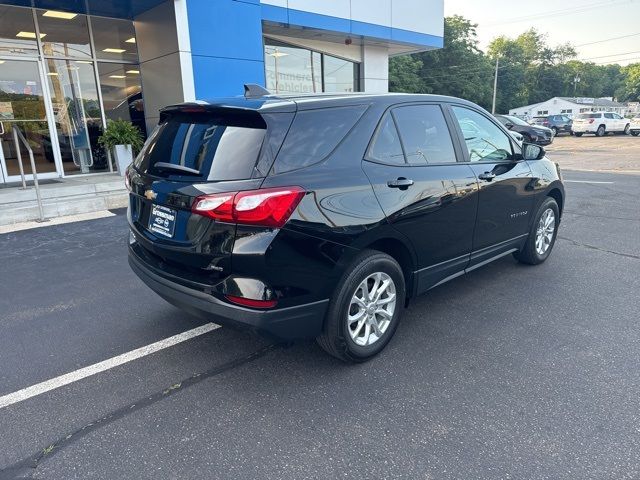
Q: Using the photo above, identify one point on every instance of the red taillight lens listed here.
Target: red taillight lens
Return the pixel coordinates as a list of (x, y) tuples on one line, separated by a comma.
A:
[(249, 302), (269, 207), (216, 205), (591, 120), (127, 180)]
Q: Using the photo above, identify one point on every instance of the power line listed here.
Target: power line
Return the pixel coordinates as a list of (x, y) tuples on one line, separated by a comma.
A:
[(555, 13), (607, 40), (607, 56)]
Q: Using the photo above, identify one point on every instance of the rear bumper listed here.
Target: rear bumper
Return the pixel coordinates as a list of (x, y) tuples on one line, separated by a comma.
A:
[(291, 323)]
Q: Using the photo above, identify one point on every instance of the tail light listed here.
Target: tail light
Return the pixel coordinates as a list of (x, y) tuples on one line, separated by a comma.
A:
[(127, 180), (269, 207), (249, 302), (591, 120)]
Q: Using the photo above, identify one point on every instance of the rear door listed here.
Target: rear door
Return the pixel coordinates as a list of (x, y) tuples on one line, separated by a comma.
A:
[(506, 196), (424, 192), (189, 154)]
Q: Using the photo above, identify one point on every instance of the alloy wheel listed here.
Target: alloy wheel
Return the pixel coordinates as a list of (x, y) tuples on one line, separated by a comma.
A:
[(371, 309), (544, 232)]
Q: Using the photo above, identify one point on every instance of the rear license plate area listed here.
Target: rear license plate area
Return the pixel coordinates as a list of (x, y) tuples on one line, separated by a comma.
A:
[(162, 220)]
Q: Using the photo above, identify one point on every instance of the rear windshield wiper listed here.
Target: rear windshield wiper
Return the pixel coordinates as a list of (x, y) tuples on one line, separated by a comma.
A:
[(177, 168)]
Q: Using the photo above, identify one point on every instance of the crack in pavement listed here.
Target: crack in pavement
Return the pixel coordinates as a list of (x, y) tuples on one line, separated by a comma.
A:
[(26, 467), (593, 247)]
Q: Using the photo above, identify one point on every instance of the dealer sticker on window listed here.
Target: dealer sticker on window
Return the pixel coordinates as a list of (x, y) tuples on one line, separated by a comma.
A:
[(162, 220)]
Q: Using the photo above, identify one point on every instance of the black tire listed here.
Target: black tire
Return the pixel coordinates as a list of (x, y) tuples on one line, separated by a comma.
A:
[(601, 131), (577, 134), (635, 134), (627, 129), (555, 131), (529, 254), (335, 338)]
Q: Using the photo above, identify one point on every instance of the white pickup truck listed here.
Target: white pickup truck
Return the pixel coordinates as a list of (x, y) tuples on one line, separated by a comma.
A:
[(600, 123)]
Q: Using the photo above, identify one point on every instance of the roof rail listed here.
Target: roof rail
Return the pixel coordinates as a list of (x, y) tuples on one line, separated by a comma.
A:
[(252, 90)]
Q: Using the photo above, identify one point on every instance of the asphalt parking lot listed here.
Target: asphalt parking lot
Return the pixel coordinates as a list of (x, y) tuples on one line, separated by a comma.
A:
[(508, 372), (611, 153)]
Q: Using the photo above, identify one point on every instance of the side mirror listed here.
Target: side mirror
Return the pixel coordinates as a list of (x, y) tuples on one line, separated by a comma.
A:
[(509, 125), (532, 152)]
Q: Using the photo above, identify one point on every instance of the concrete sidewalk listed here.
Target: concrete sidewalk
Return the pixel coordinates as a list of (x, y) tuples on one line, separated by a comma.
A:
[(64, 196)]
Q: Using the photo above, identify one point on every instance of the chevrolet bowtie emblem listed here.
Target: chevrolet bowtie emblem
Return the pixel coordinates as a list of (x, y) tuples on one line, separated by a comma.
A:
[(150, 194)]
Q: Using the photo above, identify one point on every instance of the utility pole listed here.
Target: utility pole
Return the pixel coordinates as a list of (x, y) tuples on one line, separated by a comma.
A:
[(576, 81), (495, 85)]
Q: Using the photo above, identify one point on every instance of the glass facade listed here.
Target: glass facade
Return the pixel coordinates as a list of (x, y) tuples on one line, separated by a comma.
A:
[(62, 77), (293, 69)]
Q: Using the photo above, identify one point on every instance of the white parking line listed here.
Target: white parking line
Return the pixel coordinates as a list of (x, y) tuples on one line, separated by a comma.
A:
[(80, 217), (85, 372), (583, 181)]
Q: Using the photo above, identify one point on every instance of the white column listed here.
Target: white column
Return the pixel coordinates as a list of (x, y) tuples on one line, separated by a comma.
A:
[(374, 70)]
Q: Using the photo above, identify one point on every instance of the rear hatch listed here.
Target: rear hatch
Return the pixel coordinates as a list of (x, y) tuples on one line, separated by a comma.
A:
[(544, 121), (194, 151)]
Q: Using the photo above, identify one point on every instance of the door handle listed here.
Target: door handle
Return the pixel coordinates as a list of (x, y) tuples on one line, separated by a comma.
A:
[(401, 183), (488, 176)]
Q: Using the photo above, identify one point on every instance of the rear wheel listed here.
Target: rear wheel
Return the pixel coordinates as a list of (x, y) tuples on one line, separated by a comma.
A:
[(627, 129), (555, 131), (542, 235), (601, 131), (365, 308)]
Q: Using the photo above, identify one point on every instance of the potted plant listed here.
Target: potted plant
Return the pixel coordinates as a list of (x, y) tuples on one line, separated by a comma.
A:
[(124, 140)]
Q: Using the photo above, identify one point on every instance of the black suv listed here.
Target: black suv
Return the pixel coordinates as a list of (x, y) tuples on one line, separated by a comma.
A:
[(321, 216), (557, 123), (531, 133)]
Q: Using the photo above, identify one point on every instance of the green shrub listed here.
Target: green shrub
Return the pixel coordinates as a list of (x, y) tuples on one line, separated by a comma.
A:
[(121, 132)]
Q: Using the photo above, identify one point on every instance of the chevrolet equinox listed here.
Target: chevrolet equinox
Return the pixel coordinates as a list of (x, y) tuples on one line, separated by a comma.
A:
[(320, 216)]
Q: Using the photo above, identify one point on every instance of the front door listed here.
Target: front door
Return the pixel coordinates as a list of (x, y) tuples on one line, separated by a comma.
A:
[(22, 107), (506, 196), (424, 192)]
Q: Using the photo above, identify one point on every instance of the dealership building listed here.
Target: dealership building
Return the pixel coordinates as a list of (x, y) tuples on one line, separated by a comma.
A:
[(69, 66)]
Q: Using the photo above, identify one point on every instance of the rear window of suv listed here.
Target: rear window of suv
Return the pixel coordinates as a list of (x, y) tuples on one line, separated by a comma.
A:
[(314, 134), (204, 146)]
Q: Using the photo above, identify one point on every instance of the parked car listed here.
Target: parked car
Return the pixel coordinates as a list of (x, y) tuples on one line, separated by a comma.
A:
[(516, 136), (557, 123), (600, 123), (531, 133), (634, 126), (321, 216)]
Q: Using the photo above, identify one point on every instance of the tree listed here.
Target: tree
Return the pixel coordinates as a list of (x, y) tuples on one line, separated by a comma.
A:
[(405, 74), (630, 88), (459, 69)]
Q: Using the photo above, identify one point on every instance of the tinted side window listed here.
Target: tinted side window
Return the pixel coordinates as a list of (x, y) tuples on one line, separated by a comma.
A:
[(386, 143), (424, 133), (485, 141), (314, 134), (608, 115)]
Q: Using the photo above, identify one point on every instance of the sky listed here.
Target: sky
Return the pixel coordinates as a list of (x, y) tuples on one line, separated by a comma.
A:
[(579, 22)]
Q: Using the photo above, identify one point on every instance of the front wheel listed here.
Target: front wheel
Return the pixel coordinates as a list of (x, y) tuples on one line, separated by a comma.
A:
[(577, 134), (365, 308), (542, 235), (635, 133)]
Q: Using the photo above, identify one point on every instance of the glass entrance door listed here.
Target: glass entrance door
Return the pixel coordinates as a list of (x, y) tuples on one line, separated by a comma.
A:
[(22, 106)]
